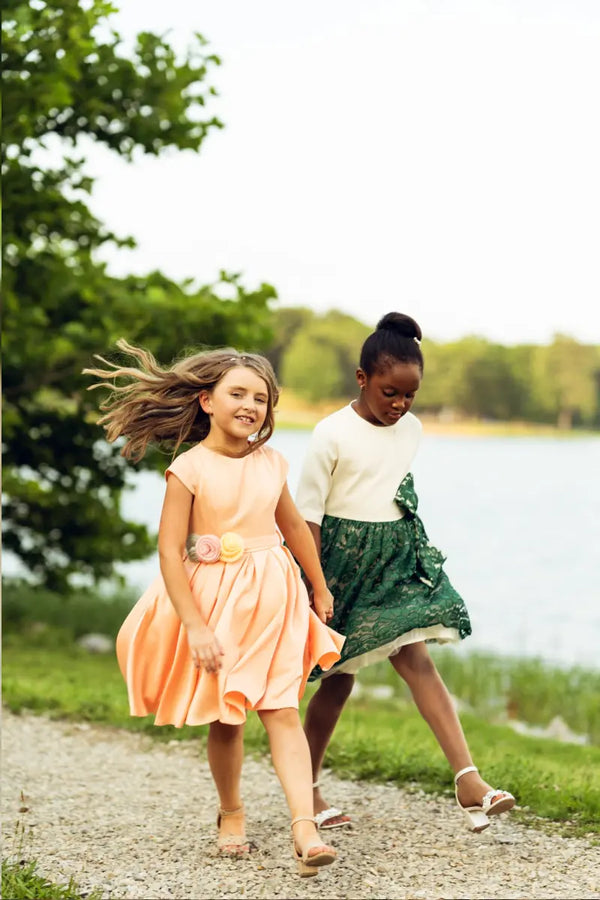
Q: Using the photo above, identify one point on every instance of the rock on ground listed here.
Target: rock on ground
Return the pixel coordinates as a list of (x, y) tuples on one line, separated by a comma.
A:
[(136, 819)]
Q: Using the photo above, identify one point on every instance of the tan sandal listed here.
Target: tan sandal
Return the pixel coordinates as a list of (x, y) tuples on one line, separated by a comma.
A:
[(231, 844), (309, 865)]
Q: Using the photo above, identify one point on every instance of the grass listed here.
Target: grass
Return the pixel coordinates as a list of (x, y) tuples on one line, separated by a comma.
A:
[(20, 881), (49, 616), (384, 741), (506, 688)]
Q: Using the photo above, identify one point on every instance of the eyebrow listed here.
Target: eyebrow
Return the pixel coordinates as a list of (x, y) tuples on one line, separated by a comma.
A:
[(239, 387)]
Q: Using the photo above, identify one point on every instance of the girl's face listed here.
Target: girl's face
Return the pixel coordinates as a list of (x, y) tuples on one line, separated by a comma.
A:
[(388, 393), (237, 405)]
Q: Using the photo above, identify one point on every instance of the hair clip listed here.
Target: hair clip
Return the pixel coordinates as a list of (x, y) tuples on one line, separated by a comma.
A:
[(417, 341)]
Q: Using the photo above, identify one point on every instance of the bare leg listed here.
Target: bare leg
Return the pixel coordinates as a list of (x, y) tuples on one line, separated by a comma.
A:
[(291, 759), (322, 715), (414, 664), (225, 752)]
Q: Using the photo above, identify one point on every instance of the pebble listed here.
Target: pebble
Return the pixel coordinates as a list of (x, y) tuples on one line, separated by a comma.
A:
[(132, 818)]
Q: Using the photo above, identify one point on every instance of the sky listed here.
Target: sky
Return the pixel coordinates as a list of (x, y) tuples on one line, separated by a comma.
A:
[(437, 157)]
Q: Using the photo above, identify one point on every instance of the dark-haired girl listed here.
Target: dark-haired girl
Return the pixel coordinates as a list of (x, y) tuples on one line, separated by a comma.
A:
[(391, 592)]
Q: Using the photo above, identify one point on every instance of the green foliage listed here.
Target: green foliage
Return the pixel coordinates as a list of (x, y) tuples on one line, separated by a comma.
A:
[(67, 84), (559, 384), (503, 687), (381, 741), (567, 376), (287, 321), (21, 881), (48, 617), (321, 358)]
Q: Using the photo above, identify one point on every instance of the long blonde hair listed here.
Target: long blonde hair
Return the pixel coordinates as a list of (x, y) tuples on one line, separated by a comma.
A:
[(160, 404)]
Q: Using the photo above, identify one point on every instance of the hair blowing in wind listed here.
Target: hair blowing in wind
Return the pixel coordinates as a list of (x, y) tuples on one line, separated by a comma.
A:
[(159, 404)]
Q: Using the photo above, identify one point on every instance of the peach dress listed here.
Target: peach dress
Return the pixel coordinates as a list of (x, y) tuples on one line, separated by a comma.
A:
[(257, 606)]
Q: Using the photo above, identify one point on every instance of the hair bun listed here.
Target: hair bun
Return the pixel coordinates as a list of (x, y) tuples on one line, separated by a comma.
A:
[(400, 324)]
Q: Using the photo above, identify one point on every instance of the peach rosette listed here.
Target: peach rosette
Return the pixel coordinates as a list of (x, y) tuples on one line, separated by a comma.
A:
[(203, 548), (232, 547)]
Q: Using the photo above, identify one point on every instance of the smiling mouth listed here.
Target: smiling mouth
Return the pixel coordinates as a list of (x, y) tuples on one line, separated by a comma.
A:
[(247, 420)]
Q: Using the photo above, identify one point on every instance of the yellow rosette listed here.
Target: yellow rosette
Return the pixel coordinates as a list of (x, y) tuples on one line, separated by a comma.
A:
[(232, 547)]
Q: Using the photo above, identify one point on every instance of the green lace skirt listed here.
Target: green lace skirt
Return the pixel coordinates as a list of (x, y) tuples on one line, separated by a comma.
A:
[(388, 585)]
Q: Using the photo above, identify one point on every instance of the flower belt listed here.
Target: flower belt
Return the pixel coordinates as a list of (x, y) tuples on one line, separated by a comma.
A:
[(208, 548)]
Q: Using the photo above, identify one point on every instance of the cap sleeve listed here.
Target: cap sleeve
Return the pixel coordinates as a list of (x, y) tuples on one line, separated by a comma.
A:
[(281, 464), (316, 475), (183, 467)]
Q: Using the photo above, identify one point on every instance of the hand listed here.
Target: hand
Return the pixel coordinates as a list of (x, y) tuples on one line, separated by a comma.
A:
[(322, 602), (205, 648)]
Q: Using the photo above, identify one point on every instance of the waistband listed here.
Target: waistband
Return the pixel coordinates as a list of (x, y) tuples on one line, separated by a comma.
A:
[(262, 542)]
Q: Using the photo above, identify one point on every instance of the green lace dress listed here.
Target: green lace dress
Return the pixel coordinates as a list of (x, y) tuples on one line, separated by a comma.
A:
[(388, 585), (387, 580)]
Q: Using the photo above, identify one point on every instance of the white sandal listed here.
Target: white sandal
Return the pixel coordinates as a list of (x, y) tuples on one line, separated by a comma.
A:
[(477, 816), (332, 812)]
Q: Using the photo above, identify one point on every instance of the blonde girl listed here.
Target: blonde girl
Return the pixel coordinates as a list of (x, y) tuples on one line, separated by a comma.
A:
[(227, 626)]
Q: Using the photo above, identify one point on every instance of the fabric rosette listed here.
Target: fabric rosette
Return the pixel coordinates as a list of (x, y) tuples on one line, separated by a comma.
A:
[(232, 547), (203, 548)]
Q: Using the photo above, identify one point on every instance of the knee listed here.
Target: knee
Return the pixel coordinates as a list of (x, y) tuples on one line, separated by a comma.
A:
[(226, 734), (414, 661), (287, 718), (336, 689)]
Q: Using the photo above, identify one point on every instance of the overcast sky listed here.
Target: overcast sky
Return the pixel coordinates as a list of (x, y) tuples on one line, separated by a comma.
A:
[(432, 156)]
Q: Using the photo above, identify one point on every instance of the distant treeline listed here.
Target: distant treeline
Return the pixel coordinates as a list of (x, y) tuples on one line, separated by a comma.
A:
[(317, 355)]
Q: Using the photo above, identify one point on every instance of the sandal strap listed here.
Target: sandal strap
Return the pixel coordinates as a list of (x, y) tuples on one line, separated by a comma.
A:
[(465, 771), (232, 840), (325, 814), (489, 797), (230, 812), (302, 819)]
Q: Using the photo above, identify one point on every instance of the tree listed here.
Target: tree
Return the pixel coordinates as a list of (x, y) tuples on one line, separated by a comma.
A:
[(322, 356), (65, 84), (566, 381), (288, 320)]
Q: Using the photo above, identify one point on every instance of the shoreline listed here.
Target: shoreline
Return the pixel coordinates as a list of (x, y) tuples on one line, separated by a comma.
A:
[(293, 413)]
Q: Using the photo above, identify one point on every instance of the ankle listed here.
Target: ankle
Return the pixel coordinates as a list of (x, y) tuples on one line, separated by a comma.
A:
[(304, 829), (231, 811)]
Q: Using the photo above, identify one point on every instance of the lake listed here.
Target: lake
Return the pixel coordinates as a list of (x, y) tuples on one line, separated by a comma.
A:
[(517, 518)]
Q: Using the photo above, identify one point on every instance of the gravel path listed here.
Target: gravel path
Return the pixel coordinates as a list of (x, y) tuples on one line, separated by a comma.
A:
[(136, 819)]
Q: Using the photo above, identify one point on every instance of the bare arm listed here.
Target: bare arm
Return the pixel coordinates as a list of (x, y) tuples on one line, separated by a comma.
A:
[(172, 533), (315, 530), (301, 542)]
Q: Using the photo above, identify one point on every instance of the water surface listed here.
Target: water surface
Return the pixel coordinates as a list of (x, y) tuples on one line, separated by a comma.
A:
[(518, 519)]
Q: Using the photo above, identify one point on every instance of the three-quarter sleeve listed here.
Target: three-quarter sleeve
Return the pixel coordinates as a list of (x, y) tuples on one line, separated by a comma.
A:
[(183, 467), (316, 475)]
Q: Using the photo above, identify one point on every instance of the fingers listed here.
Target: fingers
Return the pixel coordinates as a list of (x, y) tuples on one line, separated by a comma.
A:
[(206, 658), (325, 615)]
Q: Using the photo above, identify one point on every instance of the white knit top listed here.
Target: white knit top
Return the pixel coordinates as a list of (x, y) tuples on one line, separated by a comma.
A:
[(353, 469)]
